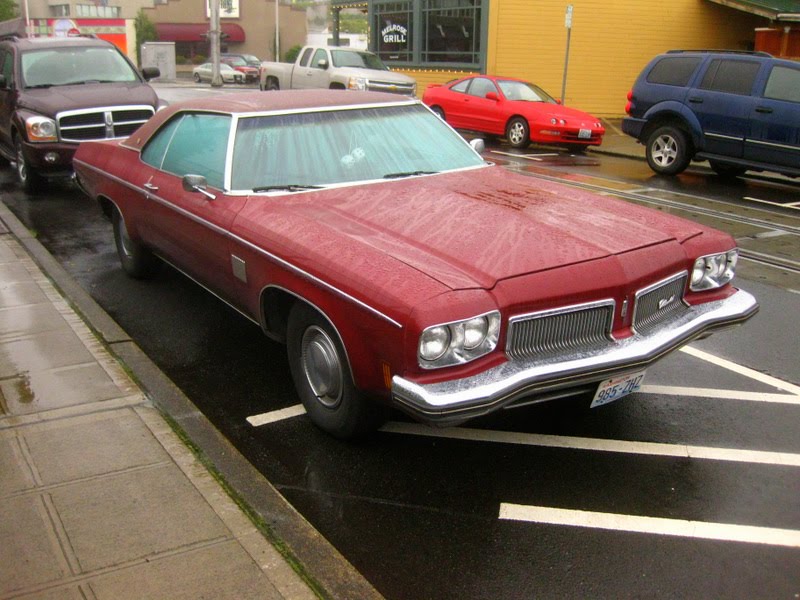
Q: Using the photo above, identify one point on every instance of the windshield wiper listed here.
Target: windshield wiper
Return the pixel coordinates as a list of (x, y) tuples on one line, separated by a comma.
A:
[(289, 187), (408, 174)]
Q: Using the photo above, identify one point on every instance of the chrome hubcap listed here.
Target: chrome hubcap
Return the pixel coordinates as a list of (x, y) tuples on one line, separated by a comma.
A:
[(22, 170), (665, 150), (321, 366), (516, 133)]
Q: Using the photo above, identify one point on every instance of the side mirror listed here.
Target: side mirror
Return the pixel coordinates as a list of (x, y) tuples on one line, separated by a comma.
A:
[(492, 96), (478, 145), (151, 73), (197, 183), (323, 64)]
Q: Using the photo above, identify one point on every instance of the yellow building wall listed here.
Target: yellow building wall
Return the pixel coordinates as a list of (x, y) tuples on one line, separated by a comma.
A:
[(611, 41)]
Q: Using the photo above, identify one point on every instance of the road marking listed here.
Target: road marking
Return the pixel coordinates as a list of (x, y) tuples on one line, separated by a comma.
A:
[(536, 157), (276, 415), (652, 525), (783, 459), (782, 205), (669, 390), (736, 368)]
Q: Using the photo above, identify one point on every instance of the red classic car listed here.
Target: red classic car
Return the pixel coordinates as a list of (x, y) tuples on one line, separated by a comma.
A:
[(432, 281), (516, 109)]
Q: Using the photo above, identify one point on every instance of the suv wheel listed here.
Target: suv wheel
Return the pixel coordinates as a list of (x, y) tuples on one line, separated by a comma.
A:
[(27, 177), (667, 150)]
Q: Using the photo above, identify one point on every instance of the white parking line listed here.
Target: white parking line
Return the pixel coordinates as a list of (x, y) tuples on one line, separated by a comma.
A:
[(276, 415), (652, 525), (669, 390), (736, 368), (783, 459), (537, 157), (751, 199)]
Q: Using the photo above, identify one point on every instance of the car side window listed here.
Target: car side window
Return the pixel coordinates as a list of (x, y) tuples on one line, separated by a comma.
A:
[(673, 70), (481, 86), (460, 86), (7, 67), (194, 144), (319, 56), (306, 56), (730, 76), (783, 84)]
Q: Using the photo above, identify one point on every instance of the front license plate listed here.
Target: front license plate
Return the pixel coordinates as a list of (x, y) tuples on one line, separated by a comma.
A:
[(584, 134), (617, 387)]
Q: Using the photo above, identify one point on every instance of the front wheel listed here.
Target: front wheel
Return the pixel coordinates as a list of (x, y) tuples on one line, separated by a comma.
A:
[(136, 260), (667, 150), (322, 377), (197, 78), (30, 181), (518, 133)]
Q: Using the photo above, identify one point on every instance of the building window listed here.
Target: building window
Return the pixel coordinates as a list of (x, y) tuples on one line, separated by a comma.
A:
[(59, 10), (393, 27), (92, 10), (452, 31), (430, 33)]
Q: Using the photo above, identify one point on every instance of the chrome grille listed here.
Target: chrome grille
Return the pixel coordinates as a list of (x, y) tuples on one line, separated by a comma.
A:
[(572, 328), (659, 302), (101, 123), (391, 87)]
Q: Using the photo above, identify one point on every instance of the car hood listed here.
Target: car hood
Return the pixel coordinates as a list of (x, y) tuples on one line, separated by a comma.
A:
[(474, 228), (376, 74), (50, 101)]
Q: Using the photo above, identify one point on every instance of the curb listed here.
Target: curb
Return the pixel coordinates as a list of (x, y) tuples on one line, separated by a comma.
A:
[(316, 560)]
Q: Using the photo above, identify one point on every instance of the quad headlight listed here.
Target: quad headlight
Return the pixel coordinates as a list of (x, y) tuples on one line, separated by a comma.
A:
[(714, 270), (459, 341), (41, 129)]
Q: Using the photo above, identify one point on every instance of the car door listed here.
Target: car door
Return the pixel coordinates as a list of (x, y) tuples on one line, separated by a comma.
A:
[(452, 102), (481, 113), (188, 228), (315, 75), (722, 101), (7, 98), (775, 120)]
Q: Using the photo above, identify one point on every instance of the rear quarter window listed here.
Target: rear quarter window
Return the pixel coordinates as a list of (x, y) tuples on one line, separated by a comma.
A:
[(783, 84), (673, 70)]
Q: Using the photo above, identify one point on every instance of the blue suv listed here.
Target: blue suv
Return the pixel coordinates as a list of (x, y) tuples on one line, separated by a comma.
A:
[(739, 111)]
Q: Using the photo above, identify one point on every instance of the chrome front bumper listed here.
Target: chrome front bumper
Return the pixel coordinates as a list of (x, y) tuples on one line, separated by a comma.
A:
[(455, 401)]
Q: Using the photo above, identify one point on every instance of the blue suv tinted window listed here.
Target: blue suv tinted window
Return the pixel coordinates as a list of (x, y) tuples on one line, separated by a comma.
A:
[(731, 76), (783, 84), (673, 70)]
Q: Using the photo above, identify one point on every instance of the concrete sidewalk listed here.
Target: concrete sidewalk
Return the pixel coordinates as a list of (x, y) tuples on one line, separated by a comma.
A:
[(99, 498)]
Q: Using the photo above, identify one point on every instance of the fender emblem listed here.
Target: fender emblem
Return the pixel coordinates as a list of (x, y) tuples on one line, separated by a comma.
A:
[(664, 302)]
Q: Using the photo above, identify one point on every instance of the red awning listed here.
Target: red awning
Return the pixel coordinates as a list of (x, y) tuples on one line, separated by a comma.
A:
[(194, 32)]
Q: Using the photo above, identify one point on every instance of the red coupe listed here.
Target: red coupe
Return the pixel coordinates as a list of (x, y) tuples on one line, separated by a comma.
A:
[(431, 281), (516, 109)]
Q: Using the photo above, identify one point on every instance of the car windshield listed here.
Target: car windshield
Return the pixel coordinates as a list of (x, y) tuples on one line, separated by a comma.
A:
[(68, 66), (251, 60), (339, 146), (235, 61), (520, 90), (361, 60)]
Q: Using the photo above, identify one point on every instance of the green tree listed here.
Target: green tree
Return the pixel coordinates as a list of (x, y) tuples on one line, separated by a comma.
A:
[(8, 10), (145, 32)]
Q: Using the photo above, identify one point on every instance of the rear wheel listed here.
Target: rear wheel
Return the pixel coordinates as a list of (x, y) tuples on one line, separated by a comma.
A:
[(30, 181), (272, 85), (322, 377), (518, 133), (197, 77), (667, 150), (136, 260)]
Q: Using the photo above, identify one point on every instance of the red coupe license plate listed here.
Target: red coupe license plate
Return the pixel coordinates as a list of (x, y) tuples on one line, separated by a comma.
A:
[(617, 387), (584, 134)]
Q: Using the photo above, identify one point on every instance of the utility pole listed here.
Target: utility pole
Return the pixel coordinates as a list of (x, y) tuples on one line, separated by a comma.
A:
[(568, 25), (277, 33), (213, 39)]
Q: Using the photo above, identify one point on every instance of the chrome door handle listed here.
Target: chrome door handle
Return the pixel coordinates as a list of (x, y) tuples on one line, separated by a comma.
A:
[(151, 187)]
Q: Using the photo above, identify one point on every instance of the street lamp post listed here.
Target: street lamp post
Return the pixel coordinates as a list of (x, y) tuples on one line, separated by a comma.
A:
[(213, 38)]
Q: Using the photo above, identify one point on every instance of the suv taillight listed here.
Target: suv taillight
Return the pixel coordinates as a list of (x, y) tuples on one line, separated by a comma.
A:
[(629, 103)]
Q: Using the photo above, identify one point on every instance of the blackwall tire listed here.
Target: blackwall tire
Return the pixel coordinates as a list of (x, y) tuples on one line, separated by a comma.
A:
[(29, 180), (518, 133), (322, 377), (667, 150), (136, 260)]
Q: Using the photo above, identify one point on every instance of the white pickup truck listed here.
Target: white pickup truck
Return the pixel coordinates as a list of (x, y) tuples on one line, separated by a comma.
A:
[(335, 68)]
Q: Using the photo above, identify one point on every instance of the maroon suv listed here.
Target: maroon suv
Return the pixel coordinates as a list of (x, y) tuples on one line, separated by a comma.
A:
[(58, 92)]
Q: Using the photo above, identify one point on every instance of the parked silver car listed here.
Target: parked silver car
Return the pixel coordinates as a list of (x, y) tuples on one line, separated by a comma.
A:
[(229, 74)]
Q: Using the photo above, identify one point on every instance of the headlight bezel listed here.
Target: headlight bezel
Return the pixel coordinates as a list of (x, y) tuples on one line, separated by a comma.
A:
[(713, 271), (467, 340), (358, 83), (41, 129)]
